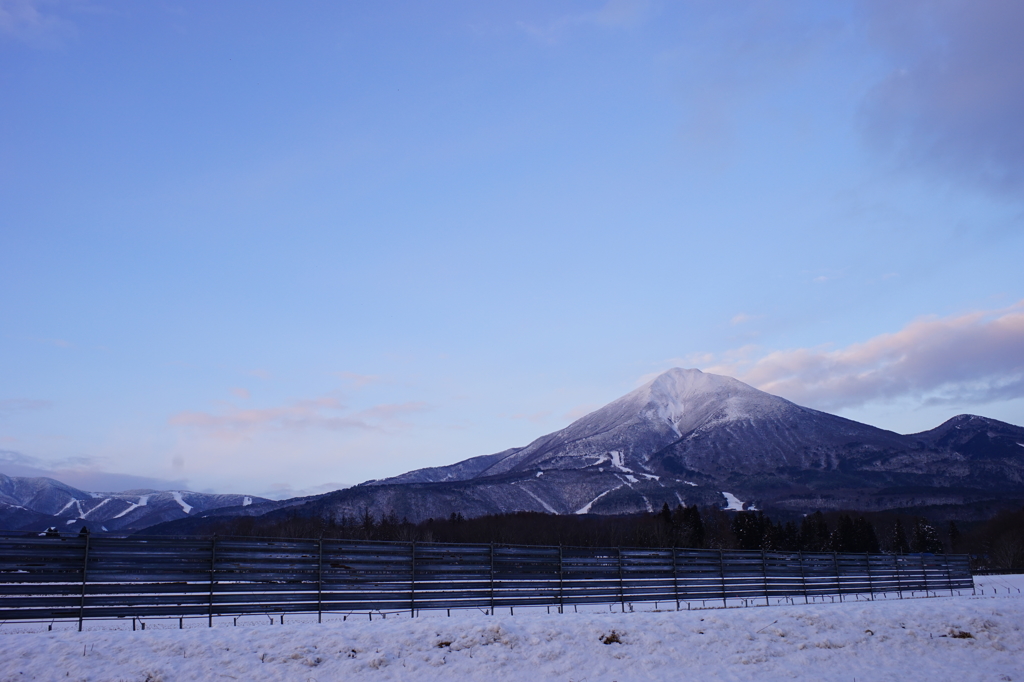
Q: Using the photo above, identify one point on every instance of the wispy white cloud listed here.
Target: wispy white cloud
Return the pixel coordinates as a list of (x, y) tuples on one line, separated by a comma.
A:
[(976, 357), (741, 318), (613, 14), (360, 380), (323, 413), (33, 22), (23, 405)]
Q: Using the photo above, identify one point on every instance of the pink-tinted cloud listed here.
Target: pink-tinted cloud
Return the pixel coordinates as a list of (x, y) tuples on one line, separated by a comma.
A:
[(977, 357), (955, 97), (325, 413), (23, 405), (360, 380)]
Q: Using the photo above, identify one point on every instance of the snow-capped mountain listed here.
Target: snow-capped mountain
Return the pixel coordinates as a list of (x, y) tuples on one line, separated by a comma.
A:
[(685, 437), (38, 503), (692, 437)]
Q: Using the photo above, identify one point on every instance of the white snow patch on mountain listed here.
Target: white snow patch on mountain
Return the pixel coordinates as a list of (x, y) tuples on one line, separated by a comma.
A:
[(184, 505), (134, 505), (105, 500), (246, 501), (617, 461), (547, 507), (734, 502), (65, 507), (585, 509)]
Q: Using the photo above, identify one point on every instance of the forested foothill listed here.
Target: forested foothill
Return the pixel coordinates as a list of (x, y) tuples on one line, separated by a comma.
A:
[(995, 544)]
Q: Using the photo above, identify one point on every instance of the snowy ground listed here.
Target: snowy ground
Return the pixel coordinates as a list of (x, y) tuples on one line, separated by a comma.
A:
[(946, 638)]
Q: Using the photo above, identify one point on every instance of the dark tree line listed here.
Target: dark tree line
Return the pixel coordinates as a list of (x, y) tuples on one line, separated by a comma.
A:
[(684, 526), (994, 544)]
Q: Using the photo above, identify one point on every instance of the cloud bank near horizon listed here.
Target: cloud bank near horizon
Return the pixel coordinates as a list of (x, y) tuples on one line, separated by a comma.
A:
[(975, 358), (83, 473)]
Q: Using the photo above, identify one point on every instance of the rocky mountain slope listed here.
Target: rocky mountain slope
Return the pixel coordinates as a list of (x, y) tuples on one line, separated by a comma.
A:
[(691, 437)]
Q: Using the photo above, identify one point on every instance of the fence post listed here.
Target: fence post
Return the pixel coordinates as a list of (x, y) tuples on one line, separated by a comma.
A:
[(924, 573), (412, 583), (899, 583), (213, 563), (675, 575), (803, 576), (867, 565), (839, 580), (492, 578), (85, 569), (721, 570), (622, 593), (320, 580), (561, 588), (764, 572), (949, 577)]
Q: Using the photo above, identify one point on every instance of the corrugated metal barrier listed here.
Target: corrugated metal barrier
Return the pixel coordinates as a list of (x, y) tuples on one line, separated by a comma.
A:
[(80, 577)]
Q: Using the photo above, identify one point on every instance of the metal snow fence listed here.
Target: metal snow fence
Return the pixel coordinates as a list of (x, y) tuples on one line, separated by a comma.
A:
[(93, 576)]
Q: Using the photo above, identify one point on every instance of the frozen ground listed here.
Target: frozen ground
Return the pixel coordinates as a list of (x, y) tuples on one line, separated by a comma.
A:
[(947, 638)]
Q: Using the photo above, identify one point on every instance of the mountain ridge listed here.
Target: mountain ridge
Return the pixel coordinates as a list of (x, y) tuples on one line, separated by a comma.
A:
[(685, 437), (688, 437)]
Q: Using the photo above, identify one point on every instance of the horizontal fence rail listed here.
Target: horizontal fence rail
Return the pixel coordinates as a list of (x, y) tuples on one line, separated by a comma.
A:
[(80, 577)]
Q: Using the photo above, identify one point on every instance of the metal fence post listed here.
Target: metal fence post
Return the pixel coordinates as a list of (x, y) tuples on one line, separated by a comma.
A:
[(675, 575), (622, 594), (492, 578), (839, 580), (721, 570), (213, 566), (85, 569), (867, 566), (561, 586), (803, 576), (412, 582), (949, 577), (764, 572), (320, 580)]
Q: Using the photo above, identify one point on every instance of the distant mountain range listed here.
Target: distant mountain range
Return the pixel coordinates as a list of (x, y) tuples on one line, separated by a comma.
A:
[(40, 503), (687, 437)]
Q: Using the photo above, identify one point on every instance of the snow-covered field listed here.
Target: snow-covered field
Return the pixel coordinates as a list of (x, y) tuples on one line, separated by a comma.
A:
[(946, 638)]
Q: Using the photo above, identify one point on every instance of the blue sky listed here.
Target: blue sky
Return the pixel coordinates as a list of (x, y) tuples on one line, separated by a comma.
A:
[(271, 247)]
